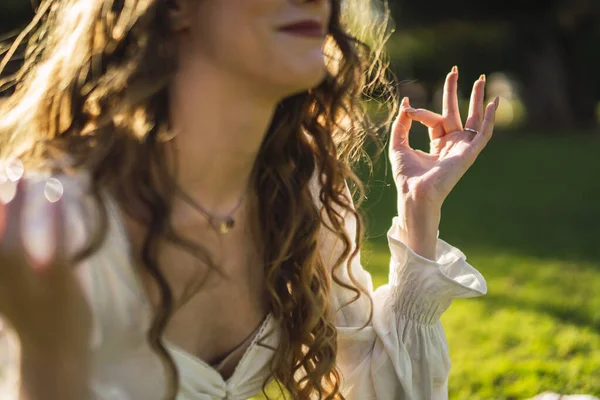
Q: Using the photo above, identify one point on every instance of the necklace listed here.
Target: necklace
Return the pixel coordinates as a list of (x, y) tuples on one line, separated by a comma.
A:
[(222, 223)]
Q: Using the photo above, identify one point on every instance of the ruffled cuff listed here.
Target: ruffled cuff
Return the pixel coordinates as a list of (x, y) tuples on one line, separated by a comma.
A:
[(423, 289)]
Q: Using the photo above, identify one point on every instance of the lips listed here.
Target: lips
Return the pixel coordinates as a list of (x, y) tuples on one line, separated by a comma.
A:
[(310, 29)]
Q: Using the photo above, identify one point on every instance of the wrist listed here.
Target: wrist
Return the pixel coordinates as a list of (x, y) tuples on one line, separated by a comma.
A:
[(419, 225), (419, 217)]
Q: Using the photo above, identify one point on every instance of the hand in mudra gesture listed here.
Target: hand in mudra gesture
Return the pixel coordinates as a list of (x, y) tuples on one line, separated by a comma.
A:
[(40, 297), (428, 178)]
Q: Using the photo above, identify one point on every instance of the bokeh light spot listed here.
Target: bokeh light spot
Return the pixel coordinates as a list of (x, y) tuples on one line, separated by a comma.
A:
[(14, 169), (54, 190)]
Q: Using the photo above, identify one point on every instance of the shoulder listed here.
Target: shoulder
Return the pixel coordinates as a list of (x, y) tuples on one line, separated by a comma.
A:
[(344, 212), (330, 243), (316, 186)]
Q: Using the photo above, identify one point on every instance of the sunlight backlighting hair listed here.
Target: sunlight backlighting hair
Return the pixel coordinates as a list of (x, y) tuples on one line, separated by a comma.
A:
[(92, 96)]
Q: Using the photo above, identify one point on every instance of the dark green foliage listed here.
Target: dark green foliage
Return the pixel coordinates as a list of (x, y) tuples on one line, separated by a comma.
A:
[(14, 14)]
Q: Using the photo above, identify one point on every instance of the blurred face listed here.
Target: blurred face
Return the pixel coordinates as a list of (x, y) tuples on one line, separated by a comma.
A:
[(274, 44)]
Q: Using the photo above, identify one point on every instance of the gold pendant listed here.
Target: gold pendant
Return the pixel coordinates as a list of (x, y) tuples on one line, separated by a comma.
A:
[(225, 226)]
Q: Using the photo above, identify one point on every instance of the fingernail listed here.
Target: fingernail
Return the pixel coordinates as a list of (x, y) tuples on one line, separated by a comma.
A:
[(455, 69), (410, 110), (482, 77), (496, 103)]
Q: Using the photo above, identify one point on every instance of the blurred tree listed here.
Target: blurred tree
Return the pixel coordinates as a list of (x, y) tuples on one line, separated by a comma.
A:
[(549, 46), (13, 14)]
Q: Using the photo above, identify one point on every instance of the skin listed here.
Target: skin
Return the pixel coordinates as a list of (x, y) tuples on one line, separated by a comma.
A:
[(221, 109), (235, 67), (43, 301), (424, 180)]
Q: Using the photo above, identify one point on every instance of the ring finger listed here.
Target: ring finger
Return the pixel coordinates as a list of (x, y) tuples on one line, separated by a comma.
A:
[(475, 118)]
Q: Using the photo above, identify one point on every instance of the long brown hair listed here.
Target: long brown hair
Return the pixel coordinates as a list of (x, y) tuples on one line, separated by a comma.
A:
[(93, 90)]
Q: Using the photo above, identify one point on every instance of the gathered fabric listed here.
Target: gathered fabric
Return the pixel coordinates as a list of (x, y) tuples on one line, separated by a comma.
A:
[(401, 354)]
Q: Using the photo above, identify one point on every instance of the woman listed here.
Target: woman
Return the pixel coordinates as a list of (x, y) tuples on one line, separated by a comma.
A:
[(206, 242)]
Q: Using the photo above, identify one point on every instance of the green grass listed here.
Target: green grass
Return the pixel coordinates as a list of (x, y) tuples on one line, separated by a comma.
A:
[(536, 330), (527, 217)]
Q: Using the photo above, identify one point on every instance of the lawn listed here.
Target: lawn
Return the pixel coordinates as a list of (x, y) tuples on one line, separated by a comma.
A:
[(527, 217)]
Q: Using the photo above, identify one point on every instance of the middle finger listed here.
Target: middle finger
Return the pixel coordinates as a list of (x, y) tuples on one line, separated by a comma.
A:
[(451, 113)]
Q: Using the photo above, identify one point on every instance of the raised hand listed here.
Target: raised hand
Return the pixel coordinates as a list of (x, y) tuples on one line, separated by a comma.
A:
[(428, 178), (40, 295)]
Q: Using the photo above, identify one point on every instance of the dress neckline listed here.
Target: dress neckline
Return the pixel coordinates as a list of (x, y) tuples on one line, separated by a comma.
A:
[(191, 358), (137, 287)]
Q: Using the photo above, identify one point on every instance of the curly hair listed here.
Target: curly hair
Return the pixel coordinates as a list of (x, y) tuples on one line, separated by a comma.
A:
[(92, 90)]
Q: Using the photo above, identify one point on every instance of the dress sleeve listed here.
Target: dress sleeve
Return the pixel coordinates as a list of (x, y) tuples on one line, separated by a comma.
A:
[(402, 353)]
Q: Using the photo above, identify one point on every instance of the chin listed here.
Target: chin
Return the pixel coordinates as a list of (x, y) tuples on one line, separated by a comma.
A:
[(301, 81)]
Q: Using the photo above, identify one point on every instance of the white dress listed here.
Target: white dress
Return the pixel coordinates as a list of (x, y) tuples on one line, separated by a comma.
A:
[(402, 354)]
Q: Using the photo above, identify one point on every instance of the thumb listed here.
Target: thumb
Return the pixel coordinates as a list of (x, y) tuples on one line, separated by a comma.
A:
[(401, 127)]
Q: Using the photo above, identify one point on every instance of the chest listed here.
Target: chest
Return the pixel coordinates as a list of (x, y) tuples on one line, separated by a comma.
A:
[(218, 307)]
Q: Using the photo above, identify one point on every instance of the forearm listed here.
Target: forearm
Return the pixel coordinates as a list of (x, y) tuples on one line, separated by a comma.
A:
[(49, 375), (420, 224)]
